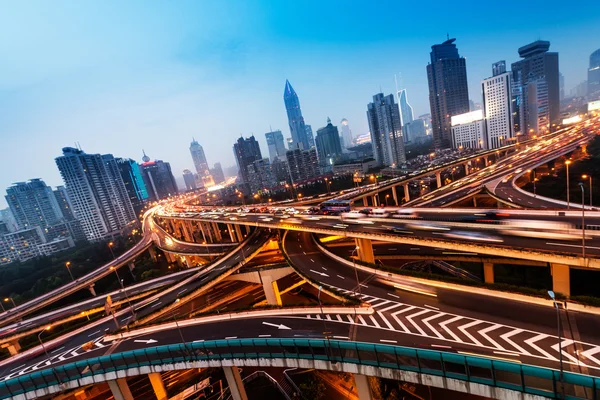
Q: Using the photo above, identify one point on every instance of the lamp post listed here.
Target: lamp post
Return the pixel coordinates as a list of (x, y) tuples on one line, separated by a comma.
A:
[(567, 163), (124, 291), (6, 299), (2, 306), (68, 264), (387, 196), (110, 246), (590, 178), (356, 272), (582, 220), (40, 339), (562, 385)]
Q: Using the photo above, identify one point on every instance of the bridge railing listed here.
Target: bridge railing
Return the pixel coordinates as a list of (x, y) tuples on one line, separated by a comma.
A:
[(525, 378)]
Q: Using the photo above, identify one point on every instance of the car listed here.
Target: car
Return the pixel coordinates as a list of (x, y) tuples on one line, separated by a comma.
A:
[(476, 236)]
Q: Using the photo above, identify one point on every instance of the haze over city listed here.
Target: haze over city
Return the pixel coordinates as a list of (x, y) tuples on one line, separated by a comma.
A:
[(121, 77)]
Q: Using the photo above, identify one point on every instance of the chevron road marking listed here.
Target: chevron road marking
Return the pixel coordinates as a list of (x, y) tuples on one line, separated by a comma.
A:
[(484, 332), (516, 346), (384, 319), (444, 327), (434, 316), (374, 321), (534, 339), (404, 328), (410, 318), (589, 354), (463, 329), (563, 344), (395, 305)]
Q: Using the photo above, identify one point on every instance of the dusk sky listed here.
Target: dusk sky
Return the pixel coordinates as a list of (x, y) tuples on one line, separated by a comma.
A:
[(122, 76)]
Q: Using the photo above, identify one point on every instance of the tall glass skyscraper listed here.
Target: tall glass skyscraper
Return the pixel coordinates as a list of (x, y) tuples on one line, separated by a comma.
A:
[(246, 151), (594, 76), (199, 158), (385, 125), (134, 182), (295, 119), (276, 145), (328, 145), (448, 90)]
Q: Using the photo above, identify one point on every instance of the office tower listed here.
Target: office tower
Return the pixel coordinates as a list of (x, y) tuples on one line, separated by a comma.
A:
[(72, 224), (498, 68), (561, 86), (468, 130), (260, 175), (385, 125), (417, 131), (199, 158), (246, 151), (580, 90), (134, 183), (328, 144), (96, 193), (406, 110), (303, 164), (159, 180), (448, 91), (593, 80), (426, 118), (189, 179), (309, 136), (33, 204), (346, 134), (497, 103), (217, 173), (276, 144), (536, 92), (294, 114)]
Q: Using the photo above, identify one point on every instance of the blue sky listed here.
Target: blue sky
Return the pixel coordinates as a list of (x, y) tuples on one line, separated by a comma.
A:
[(119, 77)]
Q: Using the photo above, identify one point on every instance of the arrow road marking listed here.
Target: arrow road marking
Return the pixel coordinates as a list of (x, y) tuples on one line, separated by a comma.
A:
[(448, 331), (534, 339), (278, 326), (516, 346), (463, 329), (319, 273), (484, 332), (148, 341), (563, 344)]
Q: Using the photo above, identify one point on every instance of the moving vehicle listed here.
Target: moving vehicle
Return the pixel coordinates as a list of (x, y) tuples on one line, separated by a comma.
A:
[(334, 207)]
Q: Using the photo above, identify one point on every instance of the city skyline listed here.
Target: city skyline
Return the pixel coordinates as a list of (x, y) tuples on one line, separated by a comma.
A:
[(98, 97)]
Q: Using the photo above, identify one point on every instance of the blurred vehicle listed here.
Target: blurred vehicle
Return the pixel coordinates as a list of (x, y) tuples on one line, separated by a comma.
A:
[(353, 214), (540, 229), (334, 207), (405, 213), (379, 213), (476, 236), (426, 226)]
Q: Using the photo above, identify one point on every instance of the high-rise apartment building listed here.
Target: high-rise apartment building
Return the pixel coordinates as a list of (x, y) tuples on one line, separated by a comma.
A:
[(593, 80), (303, 164), (199, 158), (448, 90), (33, 204), (134, 183), (497, 107), (96, 191), (189, 179), (328, 144), (246, 151), (346, 134), (159, 180), (536, 90), (260, 175), (276, 145), (73, 225), (217, 173), (294, 114), (385, 125), (468, 130)]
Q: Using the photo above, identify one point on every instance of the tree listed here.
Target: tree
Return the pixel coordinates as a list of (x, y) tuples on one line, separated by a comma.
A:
[(313, 388)]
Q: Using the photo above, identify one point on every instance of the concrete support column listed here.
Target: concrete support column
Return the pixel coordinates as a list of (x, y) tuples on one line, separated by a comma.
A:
[(271, 291), (231, 231), (187, 236), (13, 347), (438, 178), (365, 250), (158, 385), (200, 227), (238, 231), (466, 168), (561, 279), (120, 389), (92, 290), (218, 236), (236, 386), (406, 193), (395, 196), (131, 266), (374, 199), (152, 252), (488, 272), (362, 387), (365, 202), (209, 232), (485, 158)]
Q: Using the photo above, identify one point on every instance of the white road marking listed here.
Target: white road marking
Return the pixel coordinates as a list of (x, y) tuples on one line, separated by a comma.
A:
[(57, 350), (230, 337), (264, 335), (516, 346), (484, 332), (312, 260), (463, 329), (387, 341), (441, 346), (385, 320), (506, 353), (93, 333), (572, 245), (374, 321), (432, 307), (157, 304), (534, 339), (393, 295), (417, 327), (341, 337), (448, 331), (341, 277)]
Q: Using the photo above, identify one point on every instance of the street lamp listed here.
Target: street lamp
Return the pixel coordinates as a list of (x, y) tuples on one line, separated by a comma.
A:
[(590, 178), (124, 291), (68, 264), (40, 339), (110, 246), (582, 220), (562, 384), (6, 299), (356, 272), (387, 196), (567, 163)]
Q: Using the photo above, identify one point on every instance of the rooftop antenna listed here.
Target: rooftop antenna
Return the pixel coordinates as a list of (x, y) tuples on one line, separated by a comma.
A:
[(447, 36), (270, 129)]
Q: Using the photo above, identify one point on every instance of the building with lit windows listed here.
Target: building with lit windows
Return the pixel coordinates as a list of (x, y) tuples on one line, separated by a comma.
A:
[(385, 127), (593, 81), (468, 130), (158, 178), (329, 148), (303, 164), (497, 106), (276, 145), (295, 118)]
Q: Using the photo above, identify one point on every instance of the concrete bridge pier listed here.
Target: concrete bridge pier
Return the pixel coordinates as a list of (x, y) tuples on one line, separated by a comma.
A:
[(238, 231), (466, 168), (231, 231), (365, 250), (561, 279), (92, 290), (13, 347), (267, 279), (365, 202), (362, 387), (131, 266), (485, 159), (217, 232), (406, 193), (395, 196), (152, 252), (120, 389), (488, 272), (236, 386), (158, 385), (374, 199), (438, 179), (271, 291)]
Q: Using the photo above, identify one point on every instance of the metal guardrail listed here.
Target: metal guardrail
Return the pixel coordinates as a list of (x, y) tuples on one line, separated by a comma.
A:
[(524, 378)]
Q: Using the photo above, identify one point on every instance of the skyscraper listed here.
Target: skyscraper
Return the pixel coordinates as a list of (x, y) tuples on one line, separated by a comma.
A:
[(159, 180), (199, 158), (97, 192), (189, 179), (309, 136), (328, 144), (303, 164), (33, 204), (385, 125), (276, 144), (246, 151), (497, 106), (260, 175), (217, 173), (594, 76), (536, 91), (448, 90), (134, 182), (73, 225), (406, 110), (346, 134), (294, 114)]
